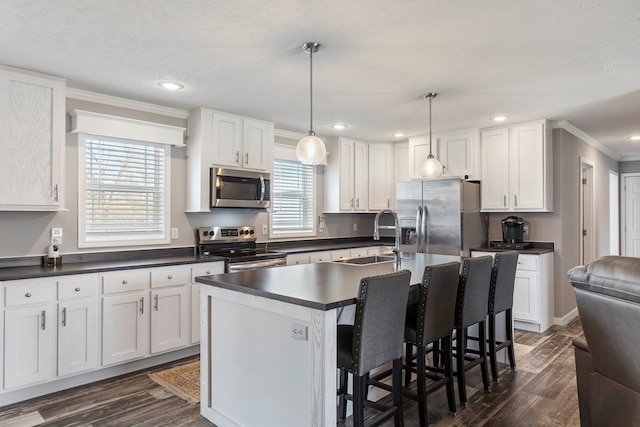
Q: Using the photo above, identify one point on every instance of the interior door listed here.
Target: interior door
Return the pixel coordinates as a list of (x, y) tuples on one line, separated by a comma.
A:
[(587, 213), (632, 215)]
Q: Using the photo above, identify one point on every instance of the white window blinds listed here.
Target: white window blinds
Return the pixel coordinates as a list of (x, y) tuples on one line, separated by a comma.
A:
[(124, 190), (292, 198)]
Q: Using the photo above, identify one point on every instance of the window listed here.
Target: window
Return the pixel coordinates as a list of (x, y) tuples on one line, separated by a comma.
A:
[(123, 196), (292, 198)]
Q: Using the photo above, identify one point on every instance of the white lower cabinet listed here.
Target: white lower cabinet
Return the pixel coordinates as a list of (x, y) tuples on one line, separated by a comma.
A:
[(125, 327), (170, 319), (533, 291), (295, 259), (78, 322), (29, 332)]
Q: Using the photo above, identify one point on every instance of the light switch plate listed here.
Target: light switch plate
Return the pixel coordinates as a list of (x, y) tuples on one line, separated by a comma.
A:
[(299, 332), (56, 236)]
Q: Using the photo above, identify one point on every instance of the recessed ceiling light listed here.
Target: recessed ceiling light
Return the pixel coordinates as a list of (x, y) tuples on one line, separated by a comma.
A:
[(635, 138), (339, 126), (499, 118), (170, 85), (398, 134)]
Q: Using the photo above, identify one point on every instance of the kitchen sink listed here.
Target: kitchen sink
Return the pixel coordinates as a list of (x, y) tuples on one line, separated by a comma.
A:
[(367, 260)]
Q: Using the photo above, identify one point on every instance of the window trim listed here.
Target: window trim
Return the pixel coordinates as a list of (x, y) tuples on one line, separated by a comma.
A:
[(116, 242)]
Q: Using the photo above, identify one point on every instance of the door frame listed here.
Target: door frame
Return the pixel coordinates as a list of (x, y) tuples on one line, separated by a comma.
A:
[(587, 208)]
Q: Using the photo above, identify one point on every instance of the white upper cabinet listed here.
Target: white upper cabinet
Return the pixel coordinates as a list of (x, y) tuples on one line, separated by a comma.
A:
[(346, 176), (517, 168), (32, 121), (401, 161), (381, 176), (458, 151), (223, 140)]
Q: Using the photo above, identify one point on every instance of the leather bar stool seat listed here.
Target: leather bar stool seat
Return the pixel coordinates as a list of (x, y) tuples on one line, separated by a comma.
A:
[(375, 339)]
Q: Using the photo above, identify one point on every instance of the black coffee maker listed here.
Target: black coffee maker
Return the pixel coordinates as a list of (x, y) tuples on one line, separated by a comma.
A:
[(512, 229)]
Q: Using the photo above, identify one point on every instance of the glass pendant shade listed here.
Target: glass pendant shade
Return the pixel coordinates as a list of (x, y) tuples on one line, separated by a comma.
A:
[(311, 150), (431, 167)]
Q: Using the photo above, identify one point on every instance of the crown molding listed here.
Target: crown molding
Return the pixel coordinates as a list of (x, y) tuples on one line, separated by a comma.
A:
[(114, 101), (566, 125), (288, 134)]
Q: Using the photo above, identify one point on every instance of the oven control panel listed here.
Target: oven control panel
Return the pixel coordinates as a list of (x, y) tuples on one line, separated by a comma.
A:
[(226, 234)]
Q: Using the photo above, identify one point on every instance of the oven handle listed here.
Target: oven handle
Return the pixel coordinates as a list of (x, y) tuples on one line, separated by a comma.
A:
[(251, 265), (263, 189)]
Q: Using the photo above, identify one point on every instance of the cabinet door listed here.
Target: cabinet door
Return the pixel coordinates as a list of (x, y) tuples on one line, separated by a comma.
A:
[(296, 259), (525, 296), (77, 336), (347, 152), (457, 152), (226, 140), (170, 318), (495, 167), (381, 181), (320, 256), (32, 141), (527, 166), (256, 143), (125, 327), (28, 345), (344, 254), (401, 162), (361, 176)]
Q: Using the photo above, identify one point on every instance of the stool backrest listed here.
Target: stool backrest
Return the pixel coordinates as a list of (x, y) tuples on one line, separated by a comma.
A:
[(473, 291), (378, 333), (437, 305), (503, 277)]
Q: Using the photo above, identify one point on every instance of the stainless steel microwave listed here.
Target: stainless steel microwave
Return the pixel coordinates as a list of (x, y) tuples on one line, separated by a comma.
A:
[(233, 188)]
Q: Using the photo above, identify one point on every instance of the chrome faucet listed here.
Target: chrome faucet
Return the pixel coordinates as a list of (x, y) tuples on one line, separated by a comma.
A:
[(396, 227)]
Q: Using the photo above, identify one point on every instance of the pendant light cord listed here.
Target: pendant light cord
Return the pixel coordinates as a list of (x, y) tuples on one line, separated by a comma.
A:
[(430, 97), (311, 132)]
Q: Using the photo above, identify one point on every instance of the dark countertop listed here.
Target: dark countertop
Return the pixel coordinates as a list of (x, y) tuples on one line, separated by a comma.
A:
[(35, 271), (322, 286), (537, 248)]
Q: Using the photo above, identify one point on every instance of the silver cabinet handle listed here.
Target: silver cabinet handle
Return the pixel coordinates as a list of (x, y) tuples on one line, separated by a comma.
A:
[(64, 316), (388, 204), (124, 282), (246, 158), (142, 305), (357, 202), (169, 277), (155, 303), (515, 200), (504, 201), (351, 202), (28, 295), (77, 289), (237, 157), (43, 325), (55, 191), (208, 272)]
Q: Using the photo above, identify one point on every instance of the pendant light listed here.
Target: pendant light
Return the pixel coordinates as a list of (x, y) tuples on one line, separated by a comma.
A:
[(431, 167), (310, 149)]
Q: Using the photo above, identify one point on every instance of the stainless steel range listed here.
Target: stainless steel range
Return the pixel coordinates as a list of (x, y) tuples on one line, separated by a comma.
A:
[(238, 246)]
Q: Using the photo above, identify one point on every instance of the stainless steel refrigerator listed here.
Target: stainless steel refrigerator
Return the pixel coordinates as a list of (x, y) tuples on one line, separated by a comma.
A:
[(441, 216)]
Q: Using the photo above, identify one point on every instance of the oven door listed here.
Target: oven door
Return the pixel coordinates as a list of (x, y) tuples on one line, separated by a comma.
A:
[(233, 267)]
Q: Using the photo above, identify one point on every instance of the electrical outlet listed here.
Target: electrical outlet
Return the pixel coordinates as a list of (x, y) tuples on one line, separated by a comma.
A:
[(299, 332), (56, 236), (265, 229), (174, 233)]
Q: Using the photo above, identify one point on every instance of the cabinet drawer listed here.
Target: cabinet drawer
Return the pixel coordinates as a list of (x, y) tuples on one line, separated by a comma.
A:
[(169, 277), (528, 262), (27, 293), (207, 269), (125, 282), (77, 288)]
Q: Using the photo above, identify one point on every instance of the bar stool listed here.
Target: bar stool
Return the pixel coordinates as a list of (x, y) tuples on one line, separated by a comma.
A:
[(430, 320), (471, 308), (503, 278), (374, 339)]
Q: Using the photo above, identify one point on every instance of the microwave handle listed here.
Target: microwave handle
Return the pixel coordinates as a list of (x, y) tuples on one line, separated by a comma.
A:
[(262, 189)]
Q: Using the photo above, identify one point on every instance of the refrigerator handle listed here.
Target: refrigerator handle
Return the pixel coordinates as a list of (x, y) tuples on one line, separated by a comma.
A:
[(419, 229), (423, 230)]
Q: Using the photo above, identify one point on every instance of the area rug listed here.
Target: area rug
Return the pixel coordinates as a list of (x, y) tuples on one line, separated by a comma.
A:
[(183, 381)]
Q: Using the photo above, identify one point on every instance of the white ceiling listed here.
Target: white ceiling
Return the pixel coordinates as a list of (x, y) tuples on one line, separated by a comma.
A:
[(528, 59)]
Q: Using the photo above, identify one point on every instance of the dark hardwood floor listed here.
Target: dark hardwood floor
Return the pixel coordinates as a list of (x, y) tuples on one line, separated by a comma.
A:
[(542, 392)]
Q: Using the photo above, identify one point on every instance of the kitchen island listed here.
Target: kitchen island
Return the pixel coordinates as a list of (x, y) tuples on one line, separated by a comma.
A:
[(268, 339)]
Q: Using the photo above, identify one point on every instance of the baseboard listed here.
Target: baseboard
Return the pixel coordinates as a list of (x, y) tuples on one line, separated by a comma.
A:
[(567, 318)]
